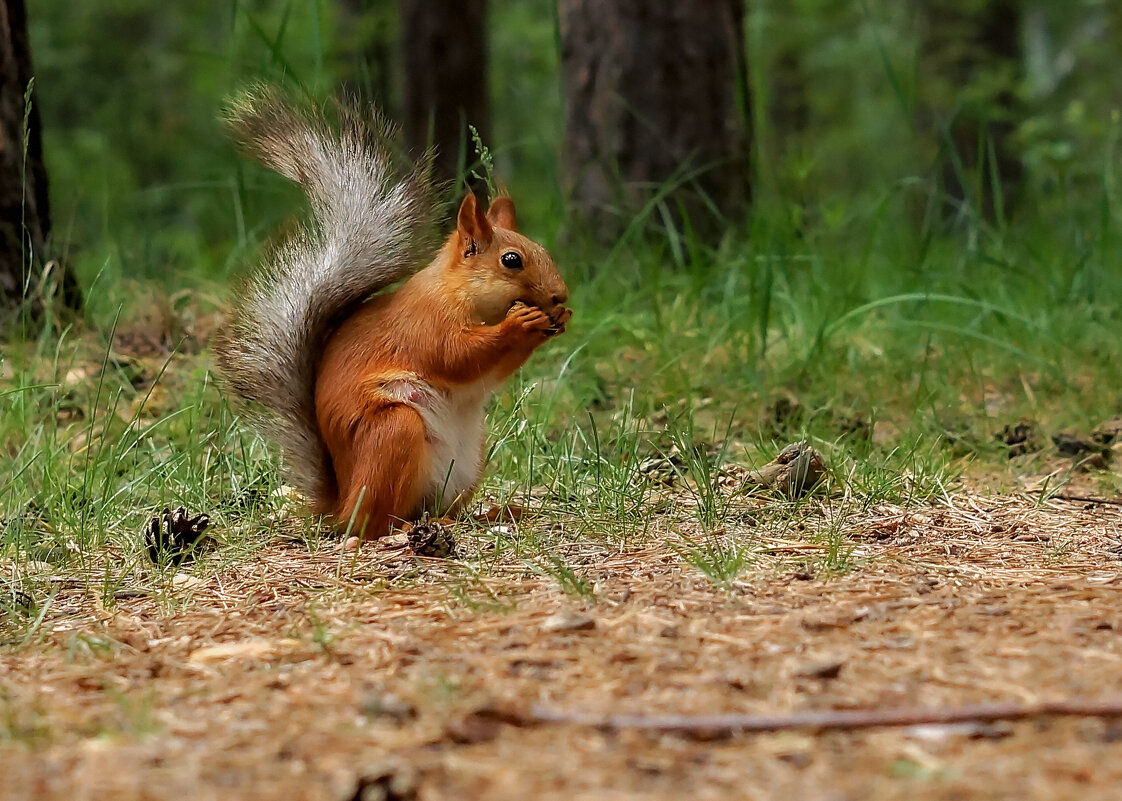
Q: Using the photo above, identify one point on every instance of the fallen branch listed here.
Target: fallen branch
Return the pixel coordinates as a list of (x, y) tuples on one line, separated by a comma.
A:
[(834, 718), (1089, 499), (1064, 496)]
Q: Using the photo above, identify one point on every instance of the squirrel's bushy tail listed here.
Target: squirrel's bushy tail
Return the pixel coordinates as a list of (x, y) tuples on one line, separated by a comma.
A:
[(371, 216)]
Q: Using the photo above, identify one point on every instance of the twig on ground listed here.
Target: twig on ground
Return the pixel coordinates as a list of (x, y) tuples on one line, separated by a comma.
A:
[(834, 718), (1063, 496)]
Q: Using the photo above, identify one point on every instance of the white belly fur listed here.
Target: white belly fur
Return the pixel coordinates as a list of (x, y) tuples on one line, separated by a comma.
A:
[(457, 425)]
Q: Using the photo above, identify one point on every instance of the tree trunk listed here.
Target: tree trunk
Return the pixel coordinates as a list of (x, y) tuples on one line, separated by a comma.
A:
[(25, 220), (366, 53), (655, 100), (444, 59), (975, 46)]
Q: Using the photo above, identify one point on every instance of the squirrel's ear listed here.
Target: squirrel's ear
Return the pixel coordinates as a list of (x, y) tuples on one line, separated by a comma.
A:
[(472, 225), (502, 215)]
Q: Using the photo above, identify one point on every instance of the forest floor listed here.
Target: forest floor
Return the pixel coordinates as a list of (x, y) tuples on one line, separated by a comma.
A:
[(573, 650), (317, 674)]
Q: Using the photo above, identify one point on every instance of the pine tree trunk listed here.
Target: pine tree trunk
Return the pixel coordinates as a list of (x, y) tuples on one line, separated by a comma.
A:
[(25, 220), (366, 52), (655, 99), (444, 59), (976, 43)]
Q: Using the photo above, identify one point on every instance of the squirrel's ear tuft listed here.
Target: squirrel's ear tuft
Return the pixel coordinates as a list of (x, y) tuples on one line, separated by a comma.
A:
[(472, 225), (502, 214)]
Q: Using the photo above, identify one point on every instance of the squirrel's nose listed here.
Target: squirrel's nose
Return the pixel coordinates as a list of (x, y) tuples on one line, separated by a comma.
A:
[(560, 297)]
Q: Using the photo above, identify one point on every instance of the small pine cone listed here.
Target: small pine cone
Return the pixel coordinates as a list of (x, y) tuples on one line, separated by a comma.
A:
[(175, 536), (431, 538)]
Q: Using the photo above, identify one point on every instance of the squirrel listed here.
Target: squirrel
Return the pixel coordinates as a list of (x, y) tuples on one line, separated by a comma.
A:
[(378, 397)]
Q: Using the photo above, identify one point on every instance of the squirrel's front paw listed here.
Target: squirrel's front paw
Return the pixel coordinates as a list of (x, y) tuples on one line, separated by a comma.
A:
[(559, 318), (528, 320)]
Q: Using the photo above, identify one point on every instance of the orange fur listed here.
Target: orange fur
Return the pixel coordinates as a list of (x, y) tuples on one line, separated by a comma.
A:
[(401, 384)]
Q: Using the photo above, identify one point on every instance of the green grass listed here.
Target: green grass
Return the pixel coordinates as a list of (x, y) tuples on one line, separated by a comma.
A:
[(681, 365)]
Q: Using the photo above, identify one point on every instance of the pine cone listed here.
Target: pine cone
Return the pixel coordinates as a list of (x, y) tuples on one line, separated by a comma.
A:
[(797, 470), (174, 536), (431, 538)]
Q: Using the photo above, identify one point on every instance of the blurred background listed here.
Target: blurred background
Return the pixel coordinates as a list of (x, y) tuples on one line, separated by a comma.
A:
[(845, 123)]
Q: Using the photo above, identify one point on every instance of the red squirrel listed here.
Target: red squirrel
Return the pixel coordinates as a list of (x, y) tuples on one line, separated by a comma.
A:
[(378, 397)]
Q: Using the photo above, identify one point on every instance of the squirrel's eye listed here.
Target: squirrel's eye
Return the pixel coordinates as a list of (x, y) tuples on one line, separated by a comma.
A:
[(511, 260)]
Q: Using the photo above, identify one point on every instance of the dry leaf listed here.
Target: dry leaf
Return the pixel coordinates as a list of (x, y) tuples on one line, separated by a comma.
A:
[(244, 649), (568, 620)]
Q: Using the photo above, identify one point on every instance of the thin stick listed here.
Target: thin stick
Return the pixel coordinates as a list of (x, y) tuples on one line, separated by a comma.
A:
[(1063, 496), (835, 718), (1088, 499)]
